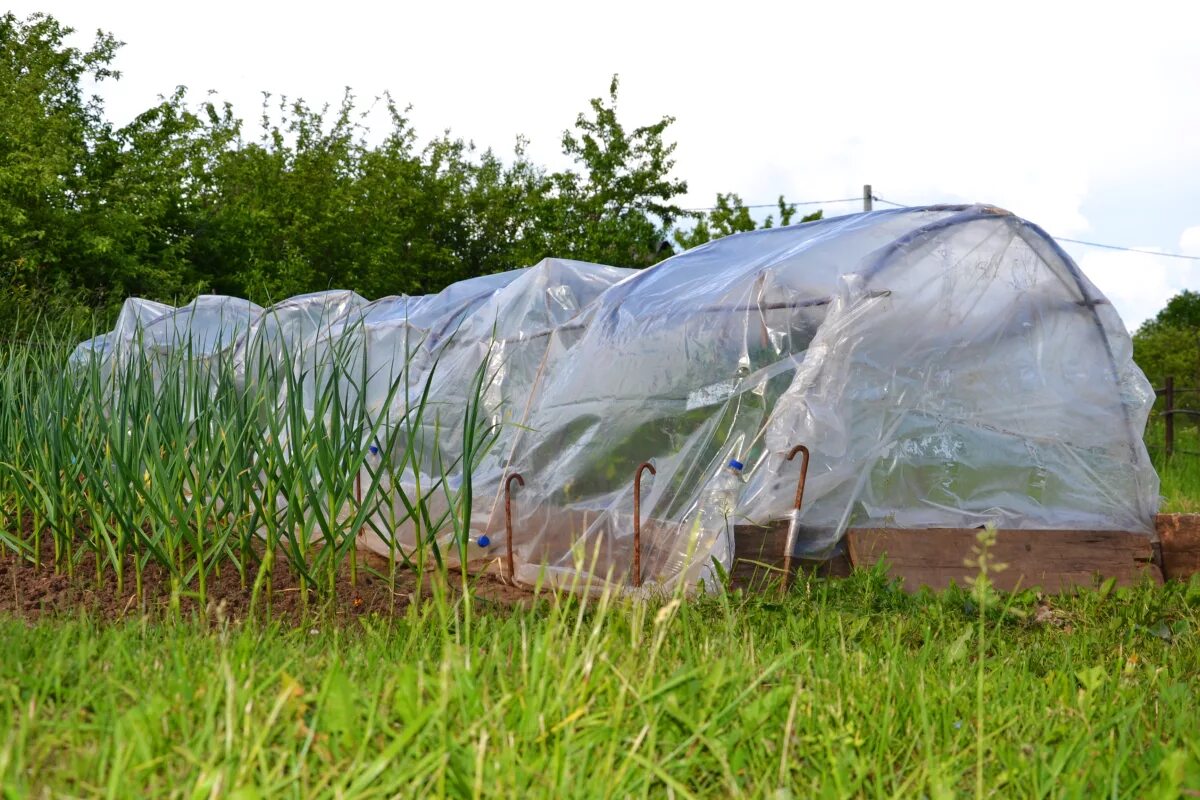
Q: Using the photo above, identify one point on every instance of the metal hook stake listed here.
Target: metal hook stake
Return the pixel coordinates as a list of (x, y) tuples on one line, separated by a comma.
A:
[(791, 537), (508, 533), (637, 520)]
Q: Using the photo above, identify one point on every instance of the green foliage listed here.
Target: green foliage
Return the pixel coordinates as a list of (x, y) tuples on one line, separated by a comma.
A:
[(1168, 350), (729, 216), (153, 181), (619, 210), (1169, 345), (51, 132)]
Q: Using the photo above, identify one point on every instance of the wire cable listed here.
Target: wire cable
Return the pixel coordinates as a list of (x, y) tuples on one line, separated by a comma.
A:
[(1129, 249), (776, 204), (1081, 241), (879, 199)]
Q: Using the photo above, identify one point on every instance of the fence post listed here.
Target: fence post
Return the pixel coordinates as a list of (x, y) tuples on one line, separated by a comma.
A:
[(1169, 413)]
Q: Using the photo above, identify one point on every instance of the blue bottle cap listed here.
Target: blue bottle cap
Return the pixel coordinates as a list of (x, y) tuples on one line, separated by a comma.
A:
[(483, 541), (374, 449), (735, 464)]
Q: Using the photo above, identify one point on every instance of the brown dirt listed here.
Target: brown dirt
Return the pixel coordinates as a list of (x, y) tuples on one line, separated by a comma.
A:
[(32, 592)]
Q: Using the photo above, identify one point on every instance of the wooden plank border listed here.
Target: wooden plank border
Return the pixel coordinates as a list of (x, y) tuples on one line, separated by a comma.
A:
[(1053, 560), (758, 561), (1179, 537)]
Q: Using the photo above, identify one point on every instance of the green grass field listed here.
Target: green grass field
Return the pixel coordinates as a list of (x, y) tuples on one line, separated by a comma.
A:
[(847, 688)]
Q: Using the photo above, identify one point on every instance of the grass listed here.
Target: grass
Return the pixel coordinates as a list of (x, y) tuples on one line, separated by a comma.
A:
[(1180, 474), (845, 688)]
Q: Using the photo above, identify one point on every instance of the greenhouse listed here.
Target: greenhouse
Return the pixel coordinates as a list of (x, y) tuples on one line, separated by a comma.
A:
[(946, 366)]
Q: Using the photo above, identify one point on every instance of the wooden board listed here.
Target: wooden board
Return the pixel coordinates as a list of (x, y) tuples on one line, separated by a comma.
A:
[(759, 557), (1054, 560), (1179, 536)]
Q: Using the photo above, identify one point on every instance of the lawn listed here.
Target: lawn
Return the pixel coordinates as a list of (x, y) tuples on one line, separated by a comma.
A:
[(845, 688)]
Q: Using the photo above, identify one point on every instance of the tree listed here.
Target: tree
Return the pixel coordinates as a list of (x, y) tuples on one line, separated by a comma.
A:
[(153, 181), (1169, 344), (90, 214), (619, 209), (731, 216), (50, 134), (311, 205), (294, 211), (499, 211)]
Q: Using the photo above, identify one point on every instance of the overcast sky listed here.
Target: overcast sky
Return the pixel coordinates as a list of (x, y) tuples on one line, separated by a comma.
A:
[(1083, 117)]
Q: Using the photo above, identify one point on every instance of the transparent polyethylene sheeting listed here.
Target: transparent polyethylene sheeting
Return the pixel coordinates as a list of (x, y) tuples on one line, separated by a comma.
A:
[(135, 314), (946, 366)]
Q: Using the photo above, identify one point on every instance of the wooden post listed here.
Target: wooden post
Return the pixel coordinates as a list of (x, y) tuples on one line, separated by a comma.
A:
[(867, 197), (1169, 413)]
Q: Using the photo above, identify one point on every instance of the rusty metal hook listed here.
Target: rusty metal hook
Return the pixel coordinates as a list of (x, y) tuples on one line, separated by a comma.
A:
[(790, 541), (508, 533), (803, 473), (637, 520)]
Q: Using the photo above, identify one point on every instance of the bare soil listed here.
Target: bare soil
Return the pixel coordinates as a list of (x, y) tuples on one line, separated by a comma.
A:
[(31, 592)]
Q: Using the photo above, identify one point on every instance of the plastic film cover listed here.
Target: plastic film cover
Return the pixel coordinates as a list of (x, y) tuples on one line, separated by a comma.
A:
[(946, 366)]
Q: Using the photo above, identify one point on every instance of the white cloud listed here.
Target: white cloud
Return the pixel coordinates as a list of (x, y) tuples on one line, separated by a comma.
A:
[(1189, 241)]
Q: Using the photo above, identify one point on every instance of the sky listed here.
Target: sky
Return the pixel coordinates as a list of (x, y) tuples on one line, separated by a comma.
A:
[(1082, 117)]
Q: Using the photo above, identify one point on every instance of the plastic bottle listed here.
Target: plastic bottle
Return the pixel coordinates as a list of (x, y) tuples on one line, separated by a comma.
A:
[(720, 497), (371, 471)]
